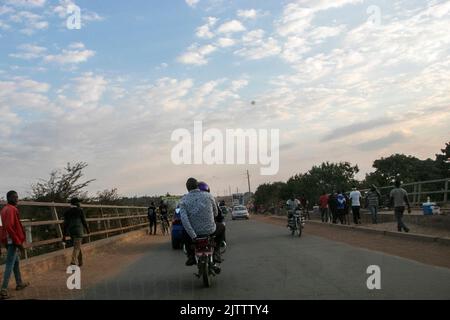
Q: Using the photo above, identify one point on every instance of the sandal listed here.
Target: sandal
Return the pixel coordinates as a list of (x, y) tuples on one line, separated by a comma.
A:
[(22, 286)]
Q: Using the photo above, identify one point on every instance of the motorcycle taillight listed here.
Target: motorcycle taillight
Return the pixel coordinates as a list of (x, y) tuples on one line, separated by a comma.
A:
[(176, 222)]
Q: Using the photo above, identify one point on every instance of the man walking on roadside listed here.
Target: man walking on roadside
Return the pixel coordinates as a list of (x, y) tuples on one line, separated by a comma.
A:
[(399, 197), (151, 213), (355, 198), (13, 237), (74, 222)]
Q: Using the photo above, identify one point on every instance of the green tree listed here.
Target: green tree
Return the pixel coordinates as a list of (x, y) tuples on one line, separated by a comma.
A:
[(62, 184)]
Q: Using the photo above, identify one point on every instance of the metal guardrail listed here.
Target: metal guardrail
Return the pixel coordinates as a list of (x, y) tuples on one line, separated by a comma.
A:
[(418, 195), (127, 217)]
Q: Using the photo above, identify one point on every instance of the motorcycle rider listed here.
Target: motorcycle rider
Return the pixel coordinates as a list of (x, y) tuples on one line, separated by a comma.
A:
[(292, 204), (197, 212)]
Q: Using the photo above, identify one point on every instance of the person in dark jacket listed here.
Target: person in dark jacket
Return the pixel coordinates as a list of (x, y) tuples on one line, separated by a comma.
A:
[(74, 222), (151, 212), (13, 237)]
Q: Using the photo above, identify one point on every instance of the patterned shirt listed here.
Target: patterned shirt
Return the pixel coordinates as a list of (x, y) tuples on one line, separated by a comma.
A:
[(373, 198), (197, 211)]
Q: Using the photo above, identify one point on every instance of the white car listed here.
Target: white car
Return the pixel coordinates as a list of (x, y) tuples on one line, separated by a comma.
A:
[(239, 212)]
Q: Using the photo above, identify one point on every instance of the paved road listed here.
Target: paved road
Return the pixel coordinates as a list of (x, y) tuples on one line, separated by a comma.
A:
[(264, 262)]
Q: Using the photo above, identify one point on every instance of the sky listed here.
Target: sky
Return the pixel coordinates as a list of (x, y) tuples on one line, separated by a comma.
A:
[(342, 80)]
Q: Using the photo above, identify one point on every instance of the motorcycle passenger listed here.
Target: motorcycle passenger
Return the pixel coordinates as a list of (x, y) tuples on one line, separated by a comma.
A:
[(291, 205), (197, 212), (219, 218)]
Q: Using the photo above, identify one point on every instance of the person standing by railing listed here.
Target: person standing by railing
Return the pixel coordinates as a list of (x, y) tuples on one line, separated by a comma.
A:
[(74, 222), (399, 197), (373, 202), (13, 237), (323, 204)]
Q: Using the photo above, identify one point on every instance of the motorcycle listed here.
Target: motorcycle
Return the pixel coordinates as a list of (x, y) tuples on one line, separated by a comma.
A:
[(204, 252), (297, 223)]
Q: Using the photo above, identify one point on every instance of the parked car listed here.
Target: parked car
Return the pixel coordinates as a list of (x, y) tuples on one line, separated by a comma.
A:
[(177, 230), (239, 212)]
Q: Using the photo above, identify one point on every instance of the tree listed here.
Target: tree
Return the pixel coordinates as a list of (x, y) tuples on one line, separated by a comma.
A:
[(443, 161), (62, 185), (107, 196), (403, 167)]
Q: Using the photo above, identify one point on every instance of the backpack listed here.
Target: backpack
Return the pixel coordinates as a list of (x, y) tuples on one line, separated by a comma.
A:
[(340, 201)]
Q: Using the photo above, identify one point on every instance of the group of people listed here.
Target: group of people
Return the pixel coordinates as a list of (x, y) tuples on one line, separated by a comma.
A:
[(153, 212), (12, 236), (336, 206)]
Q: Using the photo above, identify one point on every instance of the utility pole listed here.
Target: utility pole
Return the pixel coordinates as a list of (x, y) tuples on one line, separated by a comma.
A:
[(248, 180)]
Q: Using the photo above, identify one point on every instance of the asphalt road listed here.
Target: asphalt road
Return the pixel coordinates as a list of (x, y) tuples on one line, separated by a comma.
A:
[(264, 261)]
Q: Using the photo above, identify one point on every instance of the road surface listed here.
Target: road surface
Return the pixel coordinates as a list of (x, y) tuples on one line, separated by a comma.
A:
[(264, 261)]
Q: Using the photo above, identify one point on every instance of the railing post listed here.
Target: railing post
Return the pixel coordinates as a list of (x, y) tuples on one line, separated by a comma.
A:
[(419, 193), (446, 191), (120, 221), (58, 225), (104, 221), (415, 194)]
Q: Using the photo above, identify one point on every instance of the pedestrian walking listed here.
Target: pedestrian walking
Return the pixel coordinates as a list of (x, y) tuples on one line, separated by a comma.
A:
[(355, 199), (373, 202), (151, 213), (341, 206), (13, 237), (399, 198), (74, 223), (323, 205)]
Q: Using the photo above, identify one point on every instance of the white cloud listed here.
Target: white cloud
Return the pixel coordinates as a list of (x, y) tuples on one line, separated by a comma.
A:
[(26, 3), (29, 51), (192, 3), (248, 14), (204, 31), (5, 10), (232, 26), (256, 47), (31, 22), (61, 9), (226, 42), (197, 55), (75, 54)]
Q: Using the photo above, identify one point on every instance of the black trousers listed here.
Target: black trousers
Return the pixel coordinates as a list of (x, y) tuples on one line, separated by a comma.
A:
[(340, 215), (356, 215), (219, 235), (152, 222)]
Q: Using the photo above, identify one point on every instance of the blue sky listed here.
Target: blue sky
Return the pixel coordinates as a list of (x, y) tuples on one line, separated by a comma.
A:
[(344, 80)]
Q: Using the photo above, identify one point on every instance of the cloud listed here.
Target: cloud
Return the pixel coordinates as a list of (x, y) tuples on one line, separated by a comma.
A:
[(192, 3), (32, 22), (255, 46), (29, 52), (383, 142), (355, 128), (204, 31), (197, 55), (76, 53), (226, 42), (62, 11), (248, 14), (232, 26), (26, 3)]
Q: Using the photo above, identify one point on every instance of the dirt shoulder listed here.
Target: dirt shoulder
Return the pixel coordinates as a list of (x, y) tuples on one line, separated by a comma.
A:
[(429, 253), (51, 285)]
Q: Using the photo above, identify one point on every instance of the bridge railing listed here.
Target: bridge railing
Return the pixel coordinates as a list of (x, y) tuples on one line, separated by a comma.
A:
[(43, 223), (418, 192)]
